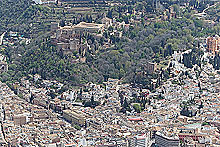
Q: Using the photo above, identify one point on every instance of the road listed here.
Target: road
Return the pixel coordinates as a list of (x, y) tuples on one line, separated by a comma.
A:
[(203, 13), (1, 38)]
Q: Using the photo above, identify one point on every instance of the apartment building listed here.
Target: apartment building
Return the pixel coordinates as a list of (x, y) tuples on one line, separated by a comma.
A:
[(213, 44), (164, 141), (74, 117)]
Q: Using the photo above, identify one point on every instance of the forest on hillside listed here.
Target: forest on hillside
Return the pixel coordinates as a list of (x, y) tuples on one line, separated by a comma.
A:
[(143, 42)]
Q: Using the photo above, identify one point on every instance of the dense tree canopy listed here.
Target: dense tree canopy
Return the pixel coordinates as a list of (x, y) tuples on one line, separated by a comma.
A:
[(145, 41)]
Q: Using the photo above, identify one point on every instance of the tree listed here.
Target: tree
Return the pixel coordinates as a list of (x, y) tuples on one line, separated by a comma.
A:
[(31, 98), (77, 127), (62, 23), (125, 105), (121, 98), (81, 91), (109, 14), (201, 105), (143, 102), (137, 108), (169, 49), (106, 96), (92, 99)]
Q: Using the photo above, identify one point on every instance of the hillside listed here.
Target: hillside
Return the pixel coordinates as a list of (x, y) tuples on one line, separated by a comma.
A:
[(145, 41)]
